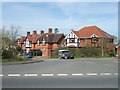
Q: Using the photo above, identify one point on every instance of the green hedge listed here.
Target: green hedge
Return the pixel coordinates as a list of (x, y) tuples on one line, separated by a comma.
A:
[(84, 52)]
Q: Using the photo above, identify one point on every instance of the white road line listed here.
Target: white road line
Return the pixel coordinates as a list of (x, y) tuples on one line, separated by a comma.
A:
[(31, 75), (1, 75), (77, 74), (106, 74), (13, 75), (47, 74), (91, 74), (116, 73), (62, 74)]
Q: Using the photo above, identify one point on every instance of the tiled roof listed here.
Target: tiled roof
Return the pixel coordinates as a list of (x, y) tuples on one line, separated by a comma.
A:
[(35, 37), (31, 38), (87, 32), (22, 39), (51, 38)]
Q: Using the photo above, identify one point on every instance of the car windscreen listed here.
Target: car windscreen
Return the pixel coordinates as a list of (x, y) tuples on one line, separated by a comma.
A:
[(65, 52)]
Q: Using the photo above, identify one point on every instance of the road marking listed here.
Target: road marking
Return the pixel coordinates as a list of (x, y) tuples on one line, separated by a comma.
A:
[(47, 74), (106, 74), (116, 73), (1, 75), (79, 74), (31, 75), (91, 74), (13, 75), (62, 74)]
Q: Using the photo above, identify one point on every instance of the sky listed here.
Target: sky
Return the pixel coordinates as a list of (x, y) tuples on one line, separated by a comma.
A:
[(62, 15)]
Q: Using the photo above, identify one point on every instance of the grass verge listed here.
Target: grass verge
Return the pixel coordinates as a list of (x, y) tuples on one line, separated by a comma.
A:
[(15, 60)]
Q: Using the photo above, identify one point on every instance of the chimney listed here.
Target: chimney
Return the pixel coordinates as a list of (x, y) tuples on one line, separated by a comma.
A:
[(28, 33), (49, 30), (34, 32), (41, 32)]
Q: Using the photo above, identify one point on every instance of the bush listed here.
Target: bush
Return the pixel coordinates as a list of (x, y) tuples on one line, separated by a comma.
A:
[(8, 54), (81, 52), (90, 51), (39, 52), (112, 53)]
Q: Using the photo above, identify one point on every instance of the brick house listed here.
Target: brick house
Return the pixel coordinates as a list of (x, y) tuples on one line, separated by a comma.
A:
[(90, 36), (117, 49), (46, 42)]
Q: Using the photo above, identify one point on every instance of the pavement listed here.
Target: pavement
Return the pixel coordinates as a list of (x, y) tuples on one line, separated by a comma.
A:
[(34, 60), (67, 73)]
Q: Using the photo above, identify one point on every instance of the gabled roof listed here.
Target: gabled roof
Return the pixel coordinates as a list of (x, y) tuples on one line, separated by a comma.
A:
[(21, 40), (31, 38), (87, 32), (51, 38), (35, 37)]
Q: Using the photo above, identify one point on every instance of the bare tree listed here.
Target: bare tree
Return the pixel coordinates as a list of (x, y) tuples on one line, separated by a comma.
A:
[(8, 40)]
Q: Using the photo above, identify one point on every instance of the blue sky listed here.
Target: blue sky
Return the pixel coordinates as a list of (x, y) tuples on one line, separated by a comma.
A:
[(65, 16)]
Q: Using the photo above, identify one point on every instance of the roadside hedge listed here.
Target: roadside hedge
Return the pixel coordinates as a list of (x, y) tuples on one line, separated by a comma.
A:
[(81, 52)]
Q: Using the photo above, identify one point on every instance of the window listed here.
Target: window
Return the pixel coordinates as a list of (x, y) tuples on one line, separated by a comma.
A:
[(27, 43), (94, 39), (43, 41), (110, 40), (72, 40)]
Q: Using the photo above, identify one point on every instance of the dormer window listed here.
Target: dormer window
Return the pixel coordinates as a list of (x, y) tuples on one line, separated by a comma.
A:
[(43, 41)]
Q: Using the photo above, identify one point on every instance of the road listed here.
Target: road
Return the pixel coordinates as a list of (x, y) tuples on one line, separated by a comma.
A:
[(76, 73)]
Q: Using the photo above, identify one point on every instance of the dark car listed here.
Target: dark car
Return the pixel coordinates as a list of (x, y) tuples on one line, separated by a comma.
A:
[(65, 54), (28, 55)]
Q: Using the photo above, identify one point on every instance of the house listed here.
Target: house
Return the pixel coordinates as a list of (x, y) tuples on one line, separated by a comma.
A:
[(117, 49), (46, 42), (90, 36), (27, 43)]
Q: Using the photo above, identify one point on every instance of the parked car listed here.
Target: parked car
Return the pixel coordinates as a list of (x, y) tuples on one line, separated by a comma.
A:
[(65, 54), (28, 55)]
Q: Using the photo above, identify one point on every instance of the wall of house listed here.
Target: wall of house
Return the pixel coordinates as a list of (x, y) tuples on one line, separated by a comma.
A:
[(85, 42), (46, 49), (55, 46)]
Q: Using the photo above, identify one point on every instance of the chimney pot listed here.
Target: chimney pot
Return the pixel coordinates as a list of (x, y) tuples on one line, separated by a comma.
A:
[(28, 33), (34, 32), (49, 30), (41, 32)]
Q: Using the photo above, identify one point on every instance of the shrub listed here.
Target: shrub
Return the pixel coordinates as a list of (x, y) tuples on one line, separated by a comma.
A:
[(112, 53), (39, 52), (90, 51)]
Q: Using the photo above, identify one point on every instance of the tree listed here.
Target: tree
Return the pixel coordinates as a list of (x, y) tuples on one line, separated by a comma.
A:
[(56, 31), (8, 41)]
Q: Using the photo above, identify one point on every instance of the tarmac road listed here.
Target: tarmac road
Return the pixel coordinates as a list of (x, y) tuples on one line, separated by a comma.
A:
[(76, 73)]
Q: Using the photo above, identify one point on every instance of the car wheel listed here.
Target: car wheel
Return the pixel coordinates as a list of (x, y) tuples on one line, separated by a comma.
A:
[(59, 57)]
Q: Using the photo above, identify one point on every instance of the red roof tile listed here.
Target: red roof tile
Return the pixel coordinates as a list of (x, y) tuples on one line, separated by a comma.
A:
[(87, 32), (22, 39), (35, 37)]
